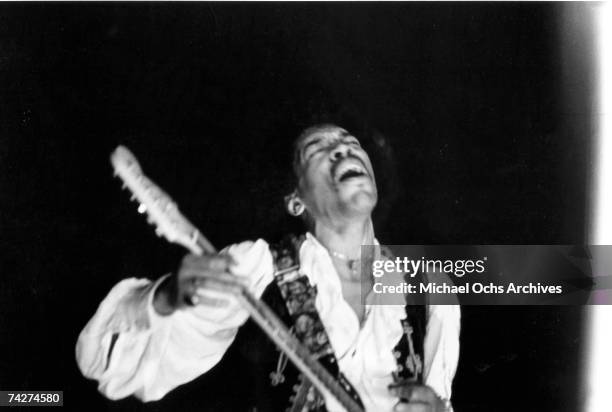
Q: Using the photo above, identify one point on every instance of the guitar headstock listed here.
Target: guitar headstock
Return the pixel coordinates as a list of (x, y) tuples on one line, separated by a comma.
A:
[(161, 210)]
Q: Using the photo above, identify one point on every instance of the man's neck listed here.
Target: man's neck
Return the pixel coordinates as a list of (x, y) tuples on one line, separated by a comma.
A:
[(346, 239)]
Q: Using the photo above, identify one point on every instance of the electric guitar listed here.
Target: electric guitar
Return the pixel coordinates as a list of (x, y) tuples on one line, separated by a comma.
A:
[(163, 213)]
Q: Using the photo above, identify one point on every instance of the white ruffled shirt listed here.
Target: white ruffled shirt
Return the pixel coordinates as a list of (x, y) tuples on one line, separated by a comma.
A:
[(154, 354)]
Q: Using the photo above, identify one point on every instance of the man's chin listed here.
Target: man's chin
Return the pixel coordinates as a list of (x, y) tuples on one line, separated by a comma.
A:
[(361, 201)]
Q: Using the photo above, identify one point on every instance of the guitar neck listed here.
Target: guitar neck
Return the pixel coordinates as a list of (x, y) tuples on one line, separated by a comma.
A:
[(171, 224), (276, 330)]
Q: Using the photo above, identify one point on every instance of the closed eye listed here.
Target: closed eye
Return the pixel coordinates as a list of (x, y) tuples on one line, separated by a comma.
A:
[(317, 145), (352, 141), (310, 148)]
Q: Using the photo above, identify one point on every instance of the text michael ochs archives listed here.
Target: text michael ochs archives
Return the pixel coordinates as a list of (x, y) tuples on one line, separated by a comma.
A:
[(486, 274), (476, 287), (381, 269)]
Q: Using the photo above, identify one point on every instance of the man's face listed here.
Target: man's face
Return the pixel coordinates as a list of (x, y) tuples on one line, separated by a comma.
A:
[(336, 180)]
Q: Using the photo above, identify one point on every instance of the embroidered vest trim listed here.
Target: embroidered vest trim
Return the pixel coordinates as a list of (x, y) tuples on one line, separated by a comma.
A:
[(300, 298)]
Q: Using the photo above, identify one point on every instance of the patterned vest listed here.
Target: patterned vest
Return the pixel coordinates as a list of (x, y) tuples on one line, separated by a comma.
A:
[(280, 386)]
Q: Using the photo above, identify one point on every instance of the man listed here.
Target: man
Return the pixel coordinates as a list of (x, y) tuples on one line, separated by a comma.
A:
[(148, 338)]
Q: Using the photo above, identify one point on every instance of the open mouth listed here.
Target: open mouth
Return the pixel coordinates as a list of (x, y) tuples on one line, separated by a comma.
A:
[(349, 170)]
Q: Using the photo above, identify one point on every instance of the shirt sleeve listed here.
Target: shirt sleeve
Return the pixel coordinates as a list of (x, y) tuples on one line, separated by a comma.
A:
[(131, 350), (442, 348)]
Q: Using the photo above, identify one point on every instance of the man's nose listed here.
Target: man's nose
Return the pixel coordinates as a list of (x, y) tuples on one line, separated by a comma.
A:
[(339, 151)]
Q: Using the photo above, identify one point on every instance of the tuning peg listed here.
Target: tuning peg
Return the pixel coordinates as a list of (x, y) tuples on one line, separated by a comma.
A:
[(149, 221), (158, 232), (133, 197), (142, 208), (123, 186)]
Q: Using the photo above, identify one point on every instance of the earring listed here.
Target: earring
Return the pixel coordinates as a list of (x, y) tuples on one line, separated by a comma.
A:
[(295, 207), (298, 207)]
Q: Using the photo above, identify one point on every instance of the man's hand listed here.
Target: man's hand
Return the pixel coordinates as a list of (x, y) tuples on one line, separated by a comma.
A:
[(200, 280), (417, 398)]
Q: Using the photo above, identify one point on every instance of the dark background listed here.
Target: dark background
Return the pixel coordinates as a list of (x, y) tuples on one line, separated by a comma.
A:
[(482, 114)]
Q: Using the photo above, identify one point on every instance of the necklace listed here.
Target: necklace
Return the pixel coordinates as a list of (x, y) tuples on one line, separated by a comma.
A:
[(353, 264)]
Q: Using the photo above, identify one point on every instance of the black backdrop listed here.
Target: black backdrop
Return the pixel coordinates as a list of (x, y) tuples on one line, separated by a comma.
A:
[(473, 99)]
